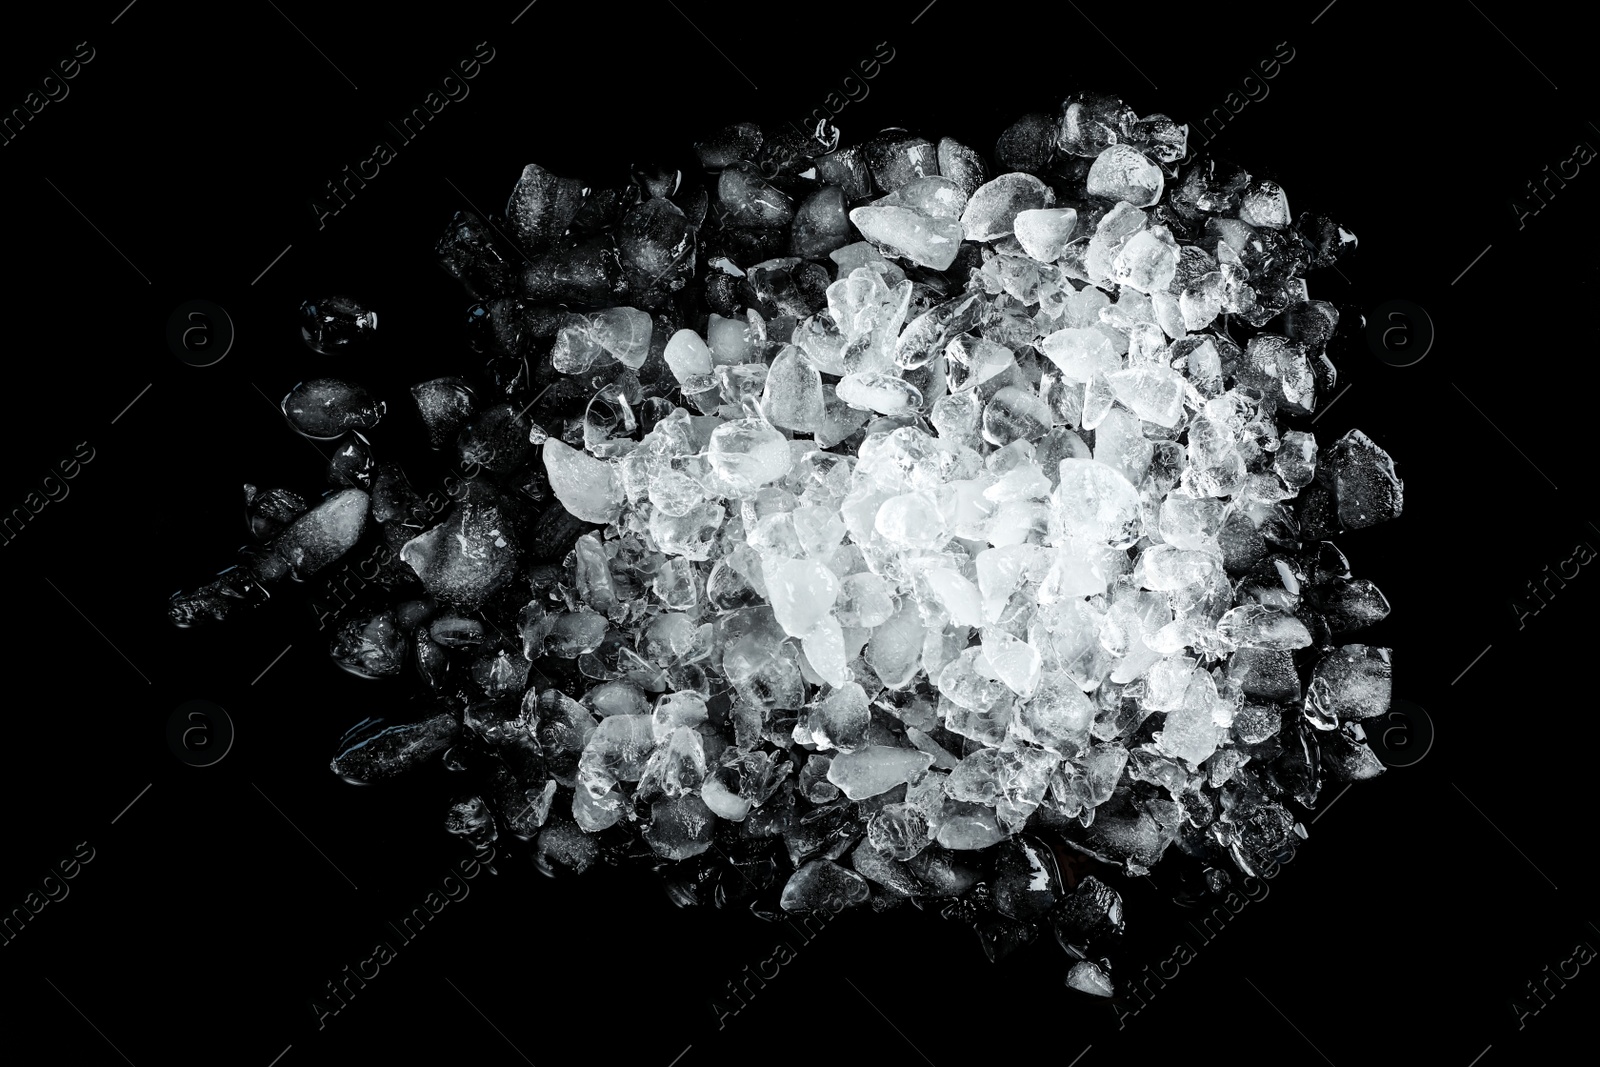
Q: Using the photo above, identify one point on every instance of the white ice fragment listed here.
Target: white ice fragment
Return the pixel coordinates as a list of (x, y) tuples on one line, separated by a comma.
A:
[(1044, 232), (801, 592), (587, 487), (876, 769), (1013, 661), (1122, 172)]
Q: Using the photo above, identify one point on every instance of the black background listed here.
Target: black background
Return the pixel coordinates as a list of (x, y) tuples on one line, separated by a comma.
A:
[(185, 160)]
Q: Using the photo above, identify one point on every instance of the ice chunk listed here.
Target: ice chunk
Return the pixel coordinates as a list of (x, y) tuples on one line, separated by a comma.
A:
[(1353, 682), (1122, 172), (822, 885), (928, 242), (1365, 486), (876, 769), (587, 487), (1044, 232), (992, 211)]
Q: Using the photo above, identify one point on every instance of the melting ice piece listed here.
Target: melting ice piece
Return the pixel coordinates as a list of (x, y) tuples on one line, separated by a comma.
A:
[(1121, 172), (587, 487), (749, 453), (1353, 682), (324, 408), (876, 769), (679, 827), (323, 534), (1096, 502), (992, 211), (899, 231), (822, 885), (1044, 232), (1365, 486), (372, 751), (333, 324), (466, 558)]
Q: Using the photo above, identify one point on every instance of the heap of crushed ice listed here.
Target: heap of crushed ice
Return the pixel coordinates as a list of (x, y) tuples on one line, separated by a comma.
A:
[(912, 525)]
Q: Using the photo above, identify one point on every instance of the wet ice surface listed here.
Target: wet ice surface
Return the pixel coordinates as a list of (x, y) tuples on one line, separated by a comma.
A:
[(843, 526)]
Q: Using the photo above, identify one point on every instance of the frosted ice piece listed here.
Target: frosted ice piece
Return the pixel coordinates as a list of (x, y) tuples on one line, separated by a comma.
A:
[(1147, 262), (749, 200), (1057, 717), (1081, 352), (1296, 458), (1255, 626), (1365, 486), (373, 751), (691, 535), (1097, 503), (1045, 232), (898, 831), (1350, 605), (928, 242), (615, 752), (1152, 393), (624, 332), (445, 405), (1352, 682), (587, 487), (992, 211), (320, 536), (1122, 172), (894, 652), (887, 394), (748, 453), (1086, 976), (1014, 414), (792, 398), (801, 592), (722, 801), (1013, 661), (679, 827), (1263, 204), (840, 720), (912, 520), (824, 648), (325, 408), (543, 205), (961, 165), (876, 769), (958, 597), (822, 885), (1190, 731), (966, 827), (687, 355), (674, 711), (934, 196)]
